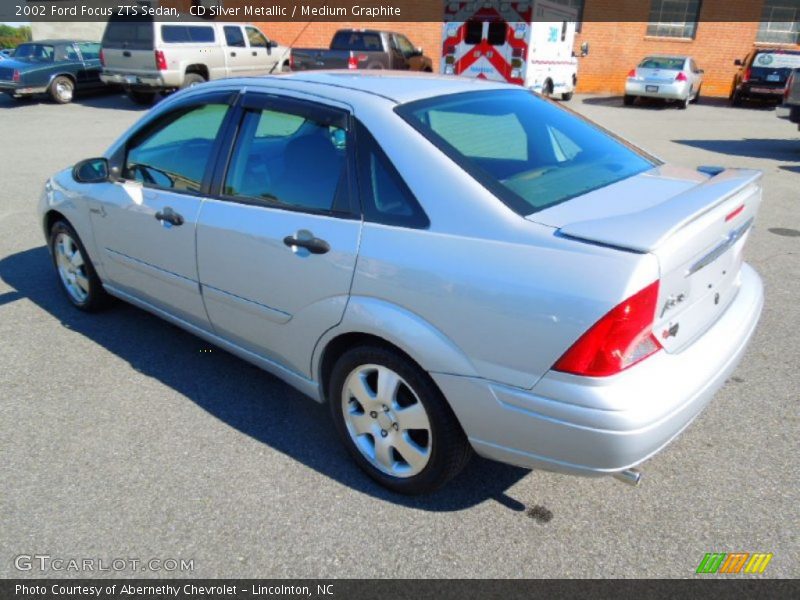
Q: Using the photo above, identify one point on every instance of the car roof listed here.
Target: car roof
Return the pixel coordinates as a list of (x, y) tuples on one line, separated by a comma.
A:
[(394, 86), (677, 56)]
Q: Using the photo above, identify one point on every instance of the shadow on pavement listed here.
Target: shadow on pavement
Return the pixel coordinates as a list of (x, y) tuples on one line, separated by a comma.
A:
[(237, 393), (105, 99), (656, 104), (769, 148)]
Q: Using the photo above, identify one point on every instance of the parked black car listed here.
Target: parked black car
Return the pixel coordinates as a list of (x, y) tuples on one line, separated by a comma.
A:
[(59, 68), (763, 74)]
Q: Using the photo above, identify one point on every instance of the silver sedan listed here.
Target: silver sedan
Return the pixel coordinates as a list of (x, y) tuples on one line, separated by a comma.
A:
[(674, 78), (452, 265)]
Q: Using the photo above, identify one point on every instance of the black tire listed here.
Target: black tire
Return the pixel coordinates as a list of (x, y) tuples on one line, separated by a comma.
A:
[(684, 104), (628, 100), (141, 98), (566, 97), (449, 448), (192, 79), (696, 98), (61, 90), (96, 298), (736, 98), (547, 89)]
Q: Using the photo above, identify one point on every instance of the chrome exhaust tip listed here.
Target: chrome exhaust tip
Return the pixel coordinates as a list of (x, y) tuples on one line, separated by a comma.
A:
[(629, 476)]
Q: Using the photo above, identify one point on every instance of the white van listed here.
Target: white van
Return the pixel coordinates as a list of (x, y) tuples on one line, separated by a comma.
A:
[(147, 57)]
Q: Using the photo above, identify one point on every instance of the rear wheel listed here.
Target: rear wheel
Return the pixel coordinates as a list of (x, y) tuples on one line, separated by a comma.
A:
[(395, 422), (628, 100), (736, 98), (547, 89), (696, 98), (684, 104), (566, 97), (76, 274), (192, 79), (62, 90), (142, 98)]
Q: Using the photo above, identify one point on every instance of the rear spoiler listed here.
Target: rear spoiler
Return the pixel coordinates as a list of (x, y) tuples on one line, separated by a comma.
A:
[(646, 230)]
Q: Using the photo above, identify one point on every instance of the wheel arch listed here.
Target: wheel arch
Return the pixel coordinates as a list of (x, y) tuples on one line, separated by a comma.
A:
[(68, 75), (375, 321), (198, 69)]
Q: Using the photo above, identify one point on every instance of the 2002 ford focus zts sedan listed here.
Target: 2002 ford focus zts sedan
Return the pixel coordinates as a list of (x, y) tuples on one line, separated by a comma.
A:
[(450, 264)]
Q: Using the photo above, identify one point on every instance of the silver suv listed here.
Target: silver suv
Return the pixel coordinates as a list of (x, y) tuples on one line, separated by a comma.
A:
[(148, 57)]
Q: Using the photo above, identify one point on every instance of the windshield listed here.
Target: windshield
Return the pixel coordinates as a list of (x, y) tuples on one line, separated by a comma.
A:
[(662, 62), (37, 52), (529, 152)]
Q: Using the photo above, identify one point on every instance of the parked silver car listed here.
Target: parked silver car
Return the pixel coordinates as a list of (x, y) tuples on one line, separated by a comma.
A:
[(452, 264), (675, 78)]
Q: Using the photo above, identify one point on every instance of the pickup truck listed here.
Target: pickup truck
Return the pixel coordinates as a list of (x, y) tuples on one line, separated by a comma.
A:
[(146, 57), (363, 49), (790, 109)]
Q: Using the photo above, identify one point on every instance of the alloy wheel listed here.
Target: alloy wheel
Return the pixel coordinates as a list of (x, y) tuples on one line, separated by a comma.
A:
[(71, 268)]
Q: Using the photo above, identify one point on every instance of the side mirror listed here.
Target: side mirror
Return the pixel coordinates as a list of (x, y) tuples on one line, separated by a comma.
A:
[(737, 62), (701, 71), (585, 49), (418, 51), (91, 170)]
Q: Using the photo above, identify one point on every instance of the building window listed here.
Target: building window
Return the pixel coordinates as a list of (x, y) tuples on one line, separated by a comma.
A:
[(673, 18), (779, 22)]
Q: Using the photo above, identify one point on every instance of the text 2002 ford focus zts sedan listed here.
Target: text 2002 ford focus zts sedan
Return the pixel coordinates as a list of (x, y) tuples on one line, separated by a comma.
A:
[(451, 264)]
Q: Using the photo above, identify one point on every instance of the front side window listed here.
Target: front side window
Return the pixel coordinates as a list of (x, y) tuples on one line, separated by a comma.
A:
[(256, 38), (234, 37), (406, 48), (175, 153), (673, 18), (288, 161), (531, 154), (89, 50)]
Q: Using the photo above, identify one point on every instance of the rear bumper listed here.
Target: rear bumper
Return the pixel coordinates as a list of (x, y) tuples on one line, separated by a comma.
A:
[(678, 90), (761, 90), (157, 80), (598, 426), (16, 89)]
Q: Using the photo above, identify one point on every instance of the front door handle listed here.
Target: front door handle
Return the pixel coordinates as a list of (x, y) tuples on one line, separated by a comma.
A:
[(169, 217), (312, 244)]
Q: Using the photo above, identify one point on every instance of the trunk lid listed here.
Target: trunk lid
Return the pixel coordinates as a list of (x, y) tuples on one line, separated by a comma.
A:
[(696, 226), (657, 75)]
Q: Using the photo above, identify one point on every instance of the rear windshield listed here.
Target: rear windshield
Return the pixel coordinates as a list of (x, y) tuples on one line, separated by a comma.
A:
[(357, 40), (128, 34), (35, 52), (529, 152), (662, 62), (776, 60), (186, 34)]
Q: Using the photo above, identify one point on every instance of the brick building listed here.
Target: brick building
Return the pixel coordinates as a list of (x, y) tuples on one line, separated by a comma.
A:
[(621, 32)]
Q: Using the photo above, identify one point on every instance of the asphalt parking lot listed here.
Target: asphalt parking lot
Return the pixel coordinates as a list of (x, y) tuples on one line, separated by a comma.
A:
[(124, 437)]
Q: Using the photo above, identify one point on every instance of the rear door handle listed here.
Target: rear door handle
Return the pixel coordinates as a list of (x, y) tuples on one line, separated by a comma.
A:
[(233, 53), (313, 244), (255, 53), (169, 217), (126, 54)]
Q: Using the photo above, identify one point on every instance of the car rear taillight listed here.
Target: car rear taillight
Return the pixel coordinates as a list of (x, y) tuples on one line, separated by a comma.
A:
[(161, 60), (787, 89), (622, 338), (102, 58), (681, 76), (352, 62), (631, 73), (15, 76), (747, 73)]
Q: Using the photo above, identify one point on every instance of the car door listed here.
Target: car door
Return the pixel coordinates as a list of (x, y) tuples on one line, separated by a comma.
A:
[(144, 223), (90, 69), (261, 58), (236, 51), (277, 245)]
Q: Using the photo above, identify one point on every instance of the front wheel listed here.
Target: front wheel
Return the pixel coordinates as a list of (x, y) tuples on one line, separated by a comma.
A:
[(76, 274), (395, 422)]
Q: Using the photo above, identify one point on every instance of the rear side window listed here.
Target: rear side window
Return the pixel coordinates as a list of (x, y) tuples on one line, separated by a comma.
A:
[(385, 197), (357, 40), (473, 32), (132, 35), (289, 161), (234, 37), (174, 154), (36, 52), (528, 152), (186, 34), (497, 34)]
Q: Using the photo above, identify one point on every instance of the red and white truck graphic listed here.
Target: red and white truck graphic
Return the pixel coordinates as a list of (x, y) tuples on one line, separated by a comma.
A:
[(529, 43)]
